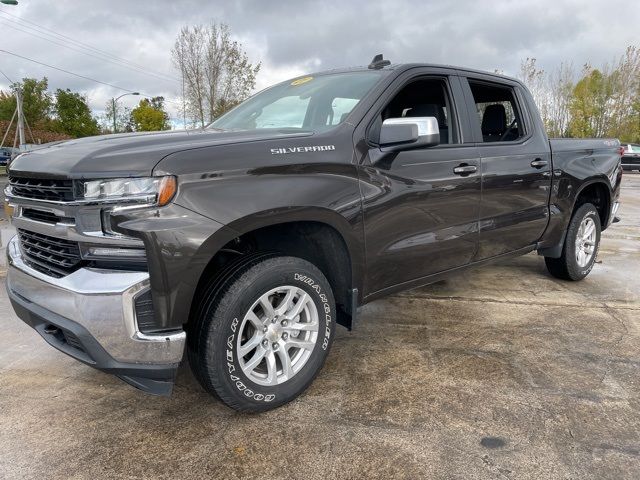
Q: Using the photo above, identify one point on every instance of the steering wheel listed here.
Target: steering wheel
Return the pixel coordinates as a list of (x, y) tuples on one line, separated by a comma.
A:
[(508, 130)]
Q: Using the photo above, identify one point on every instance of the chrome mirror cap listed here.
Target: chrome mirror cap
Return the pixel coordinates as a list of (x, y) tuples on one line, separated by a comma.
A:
[(409, 132)]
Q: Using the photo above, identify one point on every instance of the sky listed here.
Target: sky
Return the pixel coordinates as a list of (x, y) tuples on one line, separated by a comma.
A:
[(291, 37)]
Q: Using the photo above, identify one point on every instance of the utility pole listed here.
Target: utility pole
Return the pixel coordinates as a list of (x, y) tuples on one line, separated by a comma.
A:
[(114, 107), (20, 116)]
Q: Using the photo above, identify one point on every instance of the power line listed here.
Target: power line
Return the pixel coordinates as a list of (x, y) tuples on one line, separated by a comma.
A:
[(5, 76), (99, 56), (45, 30), (66, 71), (79, 75), (166, 79)]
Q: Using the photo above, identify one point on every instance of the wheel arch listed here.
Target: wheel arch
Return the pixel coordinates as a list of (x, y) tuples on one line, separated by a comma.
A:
[(598, 192), (319, 235)]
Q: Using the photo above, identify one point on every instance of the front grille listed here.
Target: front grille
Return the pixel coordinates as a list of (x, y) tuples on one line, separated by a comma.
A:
[(41, 216), (52, 256), (42, 189)]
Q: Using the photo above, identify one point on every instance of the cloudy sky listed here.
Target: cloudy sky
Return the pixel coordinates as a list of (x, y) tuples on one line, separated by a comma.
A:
[(294, 37)]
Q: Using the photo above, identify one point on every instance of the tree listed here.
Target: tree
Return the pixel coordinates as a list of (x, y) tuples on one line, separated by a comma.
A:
[(552, 93), (560, 84), (216, 72), (37, 103), (150, 115), (74, 115), (624, 82), (589, 105), (123, 118)]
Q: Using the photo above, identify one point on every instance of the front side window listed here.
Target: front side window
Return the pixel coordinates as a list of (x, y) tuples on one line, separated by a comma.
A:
[(426, 97), (308, 103), (497, 112)]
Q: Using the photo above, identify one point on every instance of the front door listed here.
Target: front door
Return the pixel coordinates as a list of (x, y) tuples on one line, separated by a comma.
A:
[(421, 206)]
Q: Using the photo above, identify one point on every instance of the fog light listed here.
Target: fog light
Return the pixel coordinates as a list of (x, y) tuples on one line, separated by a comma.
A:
[(117, 252)]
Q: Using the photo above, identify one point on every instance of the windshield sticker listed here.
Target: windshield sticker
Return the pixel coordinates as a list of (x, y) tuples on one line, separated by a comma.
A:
[(300, 81), (316, 148)]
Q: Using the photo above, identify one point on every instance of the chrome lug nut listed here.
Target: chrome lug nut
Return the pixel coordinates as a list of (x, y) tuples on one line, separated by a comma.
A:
[(264, 329), (265, 343), (284, 323), (274, 346), (285, 336)]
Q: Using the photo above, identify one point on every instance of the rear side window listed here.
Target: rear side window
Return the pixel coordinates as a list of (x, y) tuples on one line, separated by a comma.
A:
[(497, 112)]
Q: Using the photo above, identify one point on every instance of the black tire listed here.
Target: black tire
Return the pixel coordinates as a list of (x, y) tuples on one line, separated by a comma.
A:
[(213, 344), (566, 267)]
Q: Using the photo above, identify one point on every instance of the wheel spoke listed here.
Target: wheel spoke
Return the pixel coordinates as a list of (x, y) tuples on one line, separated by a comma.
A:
[(304, 326), (265, 302), (588, 230), (272, 371), (285, 360), (252, 343), (255, 321), (255, 360), (295, 343), (299, 306), (285, 303)]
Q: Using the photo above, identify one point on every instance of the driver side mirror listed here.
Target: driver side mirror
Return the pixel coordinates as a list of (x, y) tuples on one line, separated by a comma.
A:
[(409, 132)]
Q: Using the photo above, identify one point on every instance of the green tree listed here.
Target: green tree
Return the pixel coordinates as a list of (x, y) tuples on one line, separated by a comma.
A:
[(589, 107), (37, 103), (150, 115), (74, 115)]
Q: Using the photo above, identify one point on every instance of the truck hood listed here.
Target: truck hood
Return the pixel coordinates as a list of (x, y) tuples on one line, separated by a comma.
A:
[(126, 155)]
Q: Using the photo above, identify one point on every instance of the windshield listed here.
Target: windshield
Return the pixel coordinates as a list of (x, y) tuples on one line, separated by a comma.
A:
[(310, 103)]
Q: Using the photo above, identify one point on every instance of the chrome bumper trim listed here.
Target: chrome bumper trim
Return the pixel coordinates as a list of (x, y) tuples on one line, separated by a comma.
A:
[(102, 302)]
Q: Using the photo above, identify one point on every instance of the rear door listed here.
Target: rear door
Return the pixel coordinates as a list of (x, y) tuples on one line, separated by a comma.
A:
[(420, 209), (515, 165)]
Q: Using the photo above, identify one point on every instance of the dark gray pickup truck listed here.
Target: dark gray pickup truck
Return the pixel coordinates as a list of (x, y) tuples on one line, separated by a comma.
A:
[(243, 244)]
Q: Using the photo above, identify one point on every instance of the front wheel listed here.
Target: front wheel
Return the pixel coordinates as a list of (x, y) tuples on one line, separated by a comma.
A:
[(265, 334), (581, 245)]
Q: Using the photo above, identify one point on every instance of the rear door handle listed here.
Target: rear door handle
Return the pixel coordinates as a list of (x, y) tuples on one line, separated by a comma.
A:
[(465, 169), (539, 163)]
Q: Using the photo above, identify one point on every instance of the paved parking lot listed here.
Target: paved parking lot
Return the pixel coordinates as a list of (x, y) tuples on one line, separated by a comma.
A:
[(503, 372)]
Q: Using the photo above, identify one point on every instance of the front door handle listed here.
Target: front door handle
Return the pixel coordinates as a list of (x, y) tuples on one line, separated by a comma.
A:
[(465, 169), (539, 163)]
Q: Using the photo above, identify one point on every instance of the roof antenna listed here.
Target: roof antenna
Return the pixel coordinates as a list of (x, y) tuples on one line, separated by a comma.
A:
[(377, 63)]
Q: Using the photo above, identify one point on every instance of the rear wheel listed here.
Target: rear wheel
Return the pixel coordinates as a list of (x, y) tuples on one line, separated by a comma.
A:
[(265, 334), (580, 246)]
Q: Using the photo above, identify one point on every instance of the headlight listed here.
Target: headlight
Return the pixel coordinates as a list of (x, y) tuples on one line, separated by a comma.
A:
[(156, 191)]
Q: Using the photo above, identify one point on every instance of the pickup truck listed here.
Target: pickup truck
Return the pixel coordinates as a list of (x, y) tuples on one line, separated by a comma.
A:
[(243, 244)]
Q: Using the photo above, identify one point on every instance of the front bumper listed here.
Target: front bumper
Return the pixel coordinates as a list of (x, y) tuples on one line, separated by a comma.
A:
[(90, 315)]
